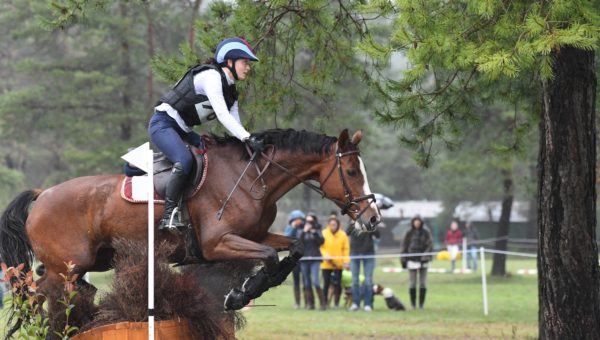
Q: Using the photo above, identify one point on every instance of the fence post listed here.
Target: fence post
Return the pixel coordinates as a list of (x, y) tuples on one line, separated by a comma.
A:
[(483, 281), (142, 157)]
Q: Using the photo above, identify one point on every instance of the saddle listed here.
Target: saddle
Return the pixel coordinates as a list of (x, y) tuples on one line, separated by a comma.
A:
[(134, 181)]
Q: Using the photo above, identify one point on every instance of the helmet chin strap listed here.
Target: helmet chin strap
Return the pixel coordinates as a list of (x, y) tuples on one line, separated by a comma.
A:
[(232, 69)]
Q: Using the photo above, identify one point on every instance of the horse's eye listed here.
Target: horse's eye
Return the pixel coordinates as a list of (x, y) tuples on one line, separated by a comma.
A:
[(351, 172)]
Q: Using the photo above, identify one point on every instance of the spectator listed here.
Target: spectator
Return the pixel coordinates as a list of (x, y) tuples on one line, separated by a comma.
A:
[(295, 224), (417, 240), (362, 244), (335, 252), (471, 235), (311, 216), (453, 241), (312, 239)]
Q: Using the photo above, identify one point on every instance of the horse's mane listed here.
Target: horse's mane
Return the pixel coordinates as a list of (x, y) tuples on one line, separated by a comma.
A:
[(287, 139)]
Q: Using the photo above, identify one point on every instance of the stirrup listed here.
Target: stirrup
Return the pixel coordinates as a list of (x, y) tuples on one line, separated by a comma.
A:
[(177, 228)]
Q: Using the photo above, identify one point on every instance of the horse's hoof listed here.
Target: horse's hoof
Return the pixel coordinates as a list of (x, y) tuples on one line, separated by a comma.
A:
[(234, 300)]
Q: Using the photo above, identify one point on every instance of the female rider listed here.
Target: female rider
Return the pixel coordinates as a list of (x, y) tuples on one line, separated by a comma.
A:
[(204, 93)]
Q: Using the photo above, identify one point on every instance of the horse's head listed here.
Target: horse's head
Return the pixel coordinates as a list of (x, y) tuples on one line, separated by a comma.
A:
[(344, 180)]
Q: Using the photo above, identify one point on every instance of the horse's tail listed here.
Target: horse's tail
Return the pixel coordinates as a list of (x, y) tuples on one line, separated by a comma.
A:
[(14, 243)]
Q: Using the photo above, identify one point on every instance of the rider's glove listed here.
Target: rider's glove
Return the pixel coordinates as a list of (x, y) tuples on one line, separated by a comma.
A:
[(256, 144)]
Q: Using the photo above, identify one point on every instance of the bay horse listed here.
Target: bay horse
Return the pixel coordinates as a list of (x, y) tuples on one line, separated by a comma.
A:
[(78, 219)]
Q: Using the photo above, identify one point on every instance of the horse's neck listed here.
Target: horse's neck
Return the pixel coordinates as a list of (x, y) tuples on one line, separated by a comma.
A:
[(300, 167)]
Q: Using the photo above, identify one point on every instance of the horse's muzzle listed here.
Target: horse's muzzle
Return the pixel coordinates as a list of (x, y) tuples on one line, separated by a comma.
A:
[(373, 222), (370, 224)]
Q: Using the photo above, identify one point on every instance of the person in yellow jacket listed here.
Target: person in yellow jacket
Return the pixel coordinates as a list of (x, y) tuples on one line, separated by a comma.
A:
[(335, 251)]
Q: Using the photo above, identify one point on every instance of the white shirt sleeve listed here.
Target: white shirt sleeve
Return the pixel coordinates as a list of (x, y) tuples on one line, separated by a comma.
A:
[(235, 113), (209, 82)]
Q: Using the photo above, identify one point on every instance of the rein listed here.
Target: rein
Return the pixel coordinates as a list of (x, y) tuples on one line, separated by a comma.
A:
[(350, 199), (345, 206)]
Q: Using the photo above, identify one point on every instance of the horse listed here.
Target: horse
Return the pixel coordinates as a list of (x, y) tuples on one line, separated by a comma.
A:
[(78, 219)]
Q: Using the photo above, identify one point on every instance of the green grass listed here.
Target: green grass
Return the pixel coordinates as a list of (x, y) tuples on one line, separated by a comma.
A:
[(453, 309)]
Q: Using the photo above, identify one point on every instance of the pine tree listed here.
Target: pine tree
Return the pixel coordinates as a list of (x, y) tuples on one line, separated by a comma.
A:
[(463, 53), (79, 93)]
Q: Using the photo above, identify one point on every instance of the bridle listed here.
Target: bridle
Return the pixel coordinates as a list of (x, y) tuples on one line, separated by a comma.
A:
[(350, 200)]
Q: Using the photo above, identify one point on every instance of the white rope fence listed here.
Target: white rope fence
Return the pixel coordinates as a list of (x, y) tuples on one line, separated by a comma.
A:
[(398, 255), (464, 250)]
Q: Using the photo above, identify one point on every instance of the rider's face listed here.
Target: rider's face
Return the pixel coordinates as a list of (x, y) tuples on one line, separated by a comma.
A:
[(242, 67)]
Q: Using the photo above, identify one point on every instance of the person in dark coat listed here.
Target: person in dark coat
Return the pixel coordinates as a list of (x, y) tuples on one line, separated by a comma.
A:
[(417, 240), (293, 229), (312, 239)]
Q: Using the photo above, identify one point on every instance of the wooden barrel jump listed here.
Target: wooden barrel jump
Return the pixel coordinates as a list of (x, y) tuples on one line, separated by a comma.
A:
[(163, 330)]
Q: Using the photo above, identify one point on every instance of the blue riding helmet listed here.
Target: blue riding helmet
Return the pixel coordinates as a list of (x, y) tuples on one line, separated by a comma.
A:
[(234, 48)]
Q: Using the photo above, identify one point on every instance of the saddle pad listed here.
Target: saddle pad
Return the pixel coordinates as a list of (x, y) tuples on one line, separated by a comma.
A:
[(133, 189)]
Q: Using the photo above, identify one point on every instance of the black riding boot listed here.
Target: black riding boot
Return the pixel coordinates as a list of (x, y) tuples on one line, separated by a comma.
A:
[(173, 194), (422, 292), (413, 297), (337, 293), (322, 299), (310, 298), (297, 297)]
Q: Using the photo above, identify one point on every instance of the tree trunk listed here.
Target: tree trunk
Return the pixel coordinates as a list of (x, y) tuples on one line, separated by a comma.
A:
[(126, 71), (149, 74), (192, 31), (532, 229), (499, 262), (567, 254)]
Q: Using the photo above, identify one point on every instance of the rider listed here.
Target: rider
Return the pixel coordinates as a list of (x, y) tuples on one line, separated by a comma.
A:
[(204, 93)]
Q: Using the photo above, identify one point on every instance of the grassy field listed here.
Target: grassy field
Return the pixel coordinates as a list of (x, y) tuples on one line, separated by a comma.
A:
[(453, 310)]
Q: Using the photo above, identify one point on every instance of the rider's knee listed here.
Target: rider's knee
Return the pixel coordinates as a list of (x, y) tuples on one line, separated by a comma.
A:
[(186, 163)]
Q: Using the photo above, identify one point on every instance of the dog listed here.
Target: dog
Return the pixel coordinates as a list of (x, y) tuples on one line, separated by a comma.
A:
[(391, 300)]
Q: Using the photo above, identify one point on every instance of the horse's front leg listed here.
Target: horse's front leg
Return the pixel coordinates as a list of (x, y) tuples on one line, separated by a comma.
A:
[(235, 247), (285, 267), (268, 276)]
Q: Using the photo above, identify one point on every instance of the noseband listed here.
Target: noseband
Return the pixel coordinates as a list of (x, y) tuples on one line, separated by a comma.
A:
[(350, 200)]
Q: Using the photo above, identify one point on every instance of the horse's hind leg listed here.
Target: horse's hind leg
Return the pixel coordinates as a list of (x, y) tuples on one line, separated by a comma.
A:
[(51, 288)]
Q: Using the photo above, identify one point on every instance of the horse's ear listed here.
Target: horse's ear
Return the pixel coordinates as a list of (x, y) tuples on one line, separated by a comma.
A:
[(343, 140), (357, 137)]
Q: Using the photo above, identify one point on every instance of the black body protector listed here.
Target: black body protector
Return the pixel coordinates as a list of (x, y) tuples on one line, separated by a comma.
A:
[(195, 109)]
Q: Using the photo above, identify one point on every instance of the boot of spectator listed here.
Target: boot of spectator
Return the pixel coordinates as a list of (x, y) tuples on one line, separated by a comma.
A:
[(330, 294), (297, 297), (310, 298), (305, 298), (422, 293), (322, 299), (413, 297), (337, 292)]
